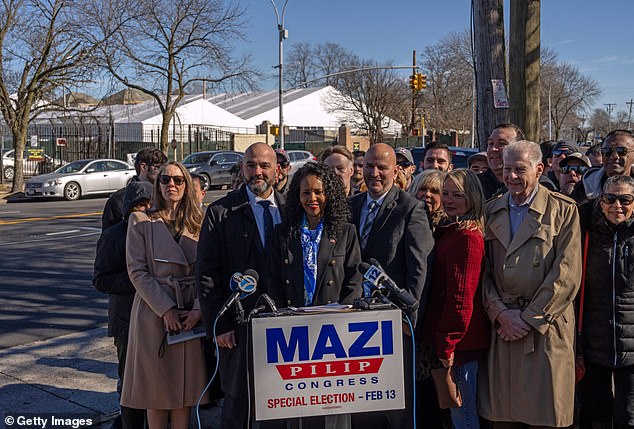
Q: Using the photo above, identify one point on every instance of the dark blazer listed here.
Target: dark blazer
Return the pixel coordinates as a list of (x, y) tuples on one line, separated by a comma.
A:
[(400, 240), (229, 242), (338, 279), (111, 276), (113, 210)]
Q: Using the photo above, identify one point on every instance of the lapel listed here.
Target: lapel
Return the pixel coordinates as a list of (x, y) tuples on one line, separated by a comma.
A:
[(326, 248), (532, 221), (389, 204), (166, 249), (250, 231), (297, 269), (499, 223)]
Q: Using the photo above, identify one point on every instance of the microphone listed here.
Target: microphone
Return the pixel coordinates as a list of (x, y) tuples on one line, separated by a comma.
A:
[(375, 275), (243, 285)]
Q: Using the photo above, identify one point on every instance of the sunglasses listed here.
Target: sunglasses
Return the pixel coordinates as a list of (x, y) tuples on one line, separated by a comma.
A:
[(164, 179), (624, 199), (620, 151), (579, 169), (559, 152), (404, 164)]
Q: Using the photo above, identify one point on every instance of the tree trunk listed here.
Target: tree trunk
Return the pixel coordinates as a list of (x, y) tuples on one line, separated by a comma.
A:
[(165, 127), (524, 66), (19, 132), (490, 64)]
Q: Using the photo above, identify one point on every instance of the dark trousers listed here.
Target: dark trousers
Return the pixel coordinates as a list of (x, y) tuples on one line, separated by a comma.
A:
[(131, 418), (393, 419), (600, 403)]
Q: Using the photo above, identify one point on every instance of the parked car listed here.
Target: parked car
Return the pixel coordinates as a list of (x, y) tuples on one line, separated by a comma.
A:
[(459, 156), (213, 167), (299, 158), (32, 164), (79, 178)]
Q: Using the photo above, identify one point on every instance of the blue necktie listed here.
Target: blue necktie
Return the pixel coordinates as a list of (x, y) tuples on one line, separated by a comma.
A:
[(369, 220), (268, 221)]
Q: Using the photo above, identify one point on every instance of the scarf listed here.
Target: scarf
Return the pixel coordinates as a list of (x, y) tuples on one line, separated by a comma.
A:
[(310, 247)]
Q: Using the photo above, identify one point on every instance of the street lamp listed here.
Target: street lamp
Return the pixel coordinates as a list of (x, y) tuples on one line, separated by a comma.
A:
[(283, 33)]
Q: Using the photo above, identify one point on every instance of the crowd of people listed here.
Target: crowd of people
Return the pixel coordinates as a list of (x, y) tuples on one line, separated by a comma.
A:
[(521, 264)]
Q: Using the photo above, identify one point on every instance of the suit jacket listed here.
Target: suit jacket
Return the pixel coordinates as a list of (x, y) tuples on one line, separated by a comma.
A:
[(338, 279), (229, 242), (400, 240)]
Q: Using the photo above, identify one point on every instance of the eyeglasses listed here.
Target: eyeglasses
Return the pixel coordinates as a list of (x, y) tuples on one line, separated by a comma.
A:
[(624, 199), (579, 169), (164, 179), (620, 151), (559, 152), (404, 164)]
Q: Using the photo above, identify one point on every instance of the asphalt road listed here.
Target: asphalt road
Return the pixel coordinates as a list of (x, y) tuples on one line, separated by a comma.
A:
[(47, 251)]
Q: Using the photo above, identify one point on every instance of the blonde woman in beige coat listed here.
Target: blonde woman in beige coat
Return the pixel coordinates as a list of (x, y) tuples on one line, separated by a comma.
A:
[(161, 253)]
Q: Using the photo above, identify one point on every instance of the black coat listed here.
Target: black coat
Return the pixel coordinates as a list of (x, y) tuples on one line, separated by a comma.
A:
[(111, 276), (608, 316), (229, 242), (113, 210), (338, 279), (400, 240)]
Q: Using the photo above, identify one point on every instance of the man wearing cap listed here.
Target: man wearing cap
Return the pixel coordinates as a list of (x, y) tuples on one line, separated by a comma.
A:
[(478, 162), (111, 276), (405, 162), (572, 168), (561, 150), (283, 168), (618, 155)]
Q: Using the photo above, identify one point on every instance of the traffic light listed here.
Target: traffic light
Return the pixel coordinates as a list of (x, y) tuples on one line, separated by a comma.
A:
[(422, 81), (275, 130), (413, 81)]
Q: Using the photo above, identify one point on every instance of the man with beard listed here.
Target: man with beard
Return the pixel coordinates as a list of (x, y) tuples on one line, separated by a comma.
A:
[(571, 169), (235, 235), (618, 154)]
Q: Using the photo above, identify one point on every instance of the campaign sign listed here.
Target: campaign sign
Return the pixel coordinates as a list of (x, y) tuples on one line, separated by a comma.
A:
[(334, 363)]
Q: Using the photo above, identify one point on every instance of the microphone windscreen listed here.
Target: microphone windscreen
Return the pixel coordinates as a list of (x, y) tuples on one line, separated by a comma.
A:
[(252, 273), (363, 267), (375, 263)]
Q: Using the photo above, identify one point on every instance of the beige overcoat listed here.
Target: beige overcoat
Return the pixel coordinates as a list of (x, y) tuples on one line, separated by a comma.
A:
[(160, 269), (531, 380)]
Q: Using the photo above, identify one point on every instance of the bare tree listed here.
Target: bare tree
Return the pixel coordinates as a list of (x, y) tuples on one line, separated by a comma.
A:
[(39, 55), (366, 97), (570, 93), (448, 99), (300, 65), (161, 47)]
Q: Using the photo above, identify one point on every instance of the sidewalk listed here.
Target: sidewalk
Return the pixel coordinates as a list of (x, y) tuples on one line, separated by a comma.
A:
[(73, 375)]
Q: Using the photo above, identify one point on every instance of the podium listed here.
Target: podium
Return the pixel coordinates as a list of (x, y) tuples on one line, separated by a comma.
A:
[(327, 363)]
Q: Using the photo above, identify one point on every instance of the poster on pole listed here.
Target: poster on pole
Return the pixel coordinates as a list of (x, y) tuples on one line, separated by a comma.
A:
[(321, 364), (500, 100)]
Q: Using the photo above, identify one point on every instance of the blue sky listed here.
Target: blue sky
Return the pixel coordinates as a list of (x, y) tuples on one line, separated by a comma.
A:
[(594, 36)]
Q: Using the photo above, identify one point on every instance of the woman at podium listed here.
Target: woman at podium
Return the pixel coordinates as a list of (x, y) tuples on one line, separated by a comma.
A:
[(315, 253)]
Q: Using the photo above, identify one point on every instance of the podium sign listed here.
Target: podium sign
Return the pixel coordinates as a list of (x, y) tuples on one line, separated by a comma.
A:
[(327, 363)]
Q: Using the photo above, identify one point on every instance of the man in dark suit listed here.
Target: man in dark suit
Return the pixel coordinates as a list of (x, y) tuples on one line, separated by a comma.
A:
[(393, 229), (235, 234)]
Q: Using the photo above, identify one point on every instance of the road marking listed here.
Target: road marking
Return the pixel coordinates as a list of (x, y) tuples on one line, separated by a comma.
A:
[(62, 232), (88, 234), (33, 219), (13, 212)]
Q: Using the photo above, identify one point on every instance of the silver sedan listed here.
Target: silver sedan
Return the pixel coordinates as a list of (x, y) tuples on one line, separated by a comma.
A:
[(83, 177)]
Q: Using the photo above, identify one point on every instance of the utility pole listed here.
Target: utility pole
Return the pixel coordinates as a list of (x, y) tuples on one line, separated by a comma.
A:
[(609, 107), (629, 116), (524, 66), (414, 97), (283, 33)]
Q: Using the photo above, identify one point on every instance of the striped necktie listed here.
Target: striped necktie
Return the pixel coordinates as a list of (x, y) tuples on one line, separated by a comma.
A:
[(369, 220), (268, 222)]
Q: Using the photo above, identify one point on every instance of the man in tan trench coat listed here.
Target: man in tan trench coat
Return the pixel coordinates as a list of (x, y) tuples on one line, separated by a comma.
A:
[(534, 270)]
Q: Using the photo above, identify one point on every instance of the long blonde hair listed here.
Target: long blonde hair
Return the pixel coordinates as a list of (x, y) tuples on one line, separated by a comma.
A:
[(469, 184), (188, 213)]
